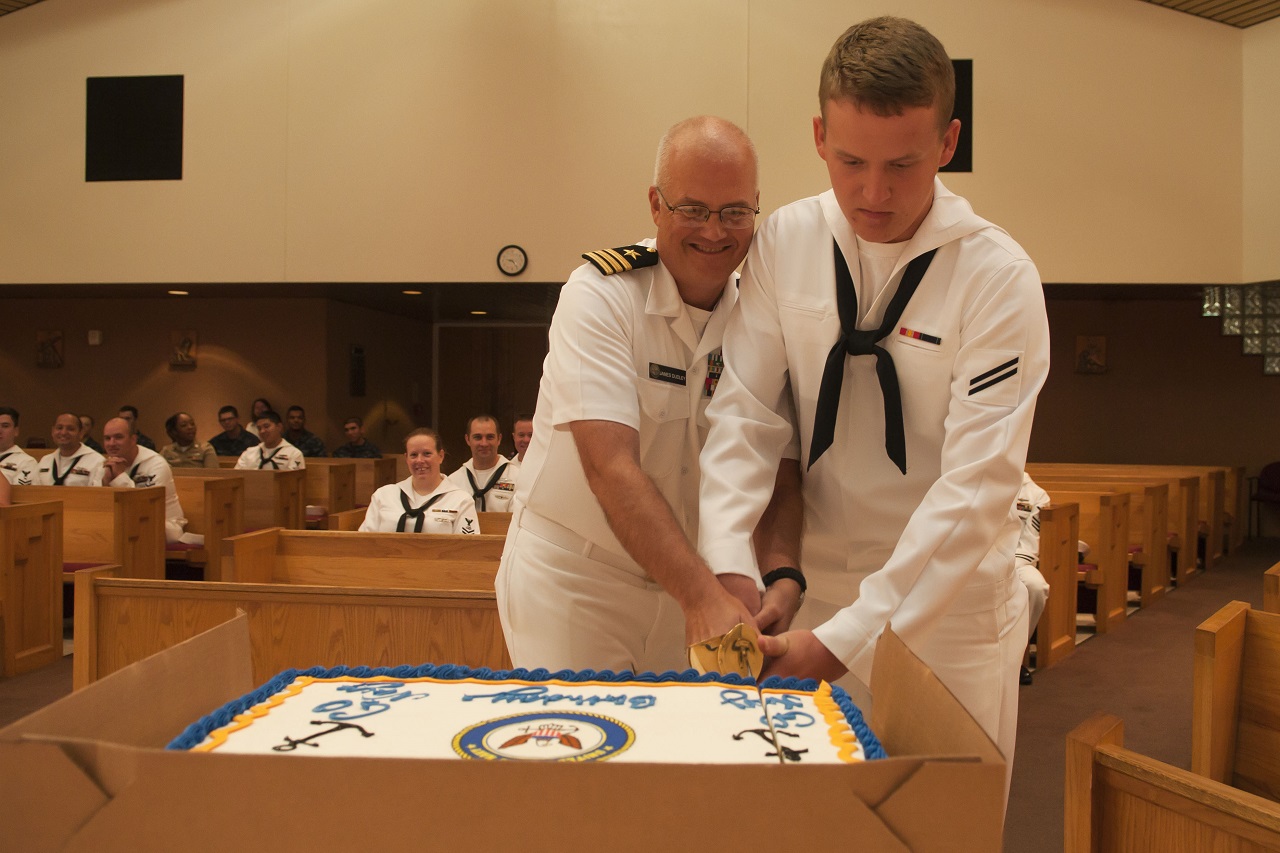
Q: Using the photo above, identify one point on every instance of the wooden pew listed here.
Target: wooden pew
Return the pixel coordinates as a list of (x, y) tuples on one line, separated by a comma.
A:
[(1236, 511), (1148, 527), (1118, 801), (331, 483), (494, 523), (102, 525), (1235, 728), (383, 560), (30, 586), (214, 508), (349, 520), (1059, 539), (1104, 524), (1183, 507), (271, 498), (1212, 491), (371, 474), (120, 620), (1271, 589)]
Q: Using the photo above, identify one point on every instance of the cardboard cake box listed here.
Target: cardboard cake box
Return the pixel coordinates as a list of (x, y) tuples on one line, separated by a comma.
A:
[(90, 773)]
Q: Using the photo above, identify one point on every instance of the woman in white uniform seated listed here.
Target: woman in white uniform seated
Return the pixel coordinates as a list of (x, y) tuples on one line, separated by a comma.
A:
[(427, 502)]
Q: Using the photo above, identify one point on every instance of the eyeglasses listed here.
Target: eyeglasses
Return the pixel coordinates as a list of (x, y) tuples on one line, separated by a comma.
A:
[(696, 214)]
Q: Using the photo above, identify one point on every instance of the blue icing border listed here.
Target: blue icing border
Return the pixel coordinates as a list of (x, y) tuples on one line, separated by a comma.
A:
[(196, 733)]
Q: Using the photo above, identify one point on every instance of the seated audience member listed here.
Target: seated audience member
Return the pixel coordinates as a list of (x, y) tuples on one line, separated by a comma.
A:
[(487, 476), (307, 442), (260, 405), (186, 451), (233, 440), (357, 446), (1026, 557), (129, 466), (130, 414), (426, 502), (274, 452), (86, 432), (18, 467), (521, 436), (72, 464)]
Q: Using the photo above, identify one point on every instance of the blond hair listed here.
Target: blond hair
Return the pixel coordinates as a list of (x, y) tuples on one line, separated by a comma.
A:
[(886, 65)]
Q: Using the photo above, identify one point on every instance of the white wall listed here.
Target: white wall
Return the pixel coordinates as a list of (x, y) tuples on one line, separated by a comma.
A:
[(396, 140), (1262, 152)]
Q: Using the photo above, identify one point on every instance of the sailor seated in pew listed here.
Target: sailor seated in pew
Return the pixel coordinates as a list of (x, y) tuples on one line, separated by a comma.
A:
[(425, 502)]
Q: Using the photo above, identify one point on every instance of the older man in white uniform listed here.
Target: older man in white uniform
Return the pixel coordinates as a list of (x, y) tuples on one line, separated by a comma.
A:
[(908, 493), (127, 466), (599, 570)]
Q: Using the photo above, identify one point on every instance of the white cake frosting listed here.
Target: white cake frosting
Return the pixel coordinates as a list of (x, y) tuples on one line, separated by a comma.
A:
[(669, 719)]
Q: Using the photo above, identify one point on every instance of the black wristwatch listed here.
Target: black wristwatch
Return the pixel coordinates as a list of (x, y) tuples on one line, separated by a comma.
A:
[(789, 572)]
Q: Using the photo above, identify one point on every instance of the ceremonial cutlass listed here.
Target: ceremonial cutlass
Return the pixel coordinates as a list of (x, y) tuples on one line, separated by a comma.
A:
[(737, 651)]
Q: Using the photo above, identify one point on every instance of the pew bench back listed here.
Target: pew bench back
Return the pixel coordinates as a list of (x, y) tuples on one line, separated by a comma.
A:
[(1104, 524), (30, 586), (105, 525), (1119, 801), (375, 560), (120, 621), (271, 498), (1235, 724)]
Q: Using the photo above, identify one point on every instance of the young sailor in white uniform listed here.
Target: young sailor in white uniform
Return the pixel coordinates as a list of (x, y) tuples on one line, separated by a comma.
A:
[(274, 452), (599, 570), (128, 466), (73, 464), (18, 467), (488, 476), (425, 502), (908, 492)]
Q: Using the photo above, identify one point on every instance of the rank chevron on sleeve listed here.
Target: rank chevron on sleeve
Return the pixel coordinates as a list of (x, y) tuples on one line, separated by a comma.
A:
[(622, 259)]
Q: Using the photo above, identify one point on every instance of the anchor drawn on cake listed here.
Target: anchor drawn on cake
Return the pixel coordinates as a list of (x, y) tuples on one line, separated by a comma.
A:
[(545, 734), (290, 744), (788, 754)]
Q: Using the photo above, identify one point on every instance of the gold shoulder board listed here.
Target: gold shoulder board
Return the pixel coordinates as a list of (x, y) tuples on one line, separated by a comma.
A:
[(623, 258)]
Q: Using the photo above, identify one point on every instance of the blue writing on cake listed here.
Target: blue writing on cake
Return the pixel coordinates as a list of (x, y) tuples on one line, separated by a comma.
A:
[(787, 713), (544, 696), (376, 698)]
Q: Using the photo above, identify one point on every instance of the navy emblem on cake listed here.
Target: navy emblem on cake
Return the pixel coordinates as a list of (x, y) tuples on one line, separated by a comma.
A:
[(549, 736)]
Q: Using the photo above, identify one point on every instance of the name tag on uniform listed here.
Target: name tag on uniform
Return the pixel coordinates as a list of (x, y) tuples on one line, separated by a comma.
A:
[(662, 373)]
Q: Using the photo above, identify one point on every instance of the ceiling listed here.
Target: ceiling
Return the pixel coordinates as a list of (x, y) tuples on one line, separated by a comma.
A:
[(1236, 13), (7, 6)]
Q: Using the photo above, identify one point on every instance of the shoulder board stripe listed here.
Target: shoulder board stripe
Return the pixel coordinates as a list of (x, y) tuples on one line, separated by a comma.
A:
[(622, 259)]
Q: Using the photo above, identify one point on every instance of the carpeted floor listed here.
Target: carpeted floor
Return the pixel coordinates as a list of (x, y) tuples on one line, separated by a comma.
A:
[(1140, 672)]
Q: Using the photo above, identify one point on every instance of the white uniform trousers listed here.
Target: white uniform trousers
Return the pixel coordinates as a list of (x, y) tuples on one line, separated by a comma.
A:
[(975, 650), (1037, 594), (563, 607), (175, 533)]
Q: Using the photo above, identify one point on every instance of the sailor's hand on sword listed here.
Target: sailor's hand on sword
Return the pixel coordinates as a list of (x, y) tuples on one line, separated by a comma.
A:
[(800, 654)]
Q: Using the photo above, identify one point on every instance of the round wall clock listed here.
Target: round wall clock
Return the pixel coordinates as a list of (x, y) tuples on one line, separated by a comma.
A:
[(512, 260)]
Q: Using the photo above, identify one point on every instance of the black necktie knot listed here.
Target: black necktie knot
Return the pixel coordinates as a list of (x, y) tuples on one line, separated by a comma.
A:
[(861, 341)]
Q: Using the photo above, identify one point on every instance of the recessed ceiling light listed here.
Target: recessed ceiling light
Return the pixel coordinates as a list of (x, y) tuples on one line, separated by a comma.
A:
[(479, 313), (177, 293), (412, 292)]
